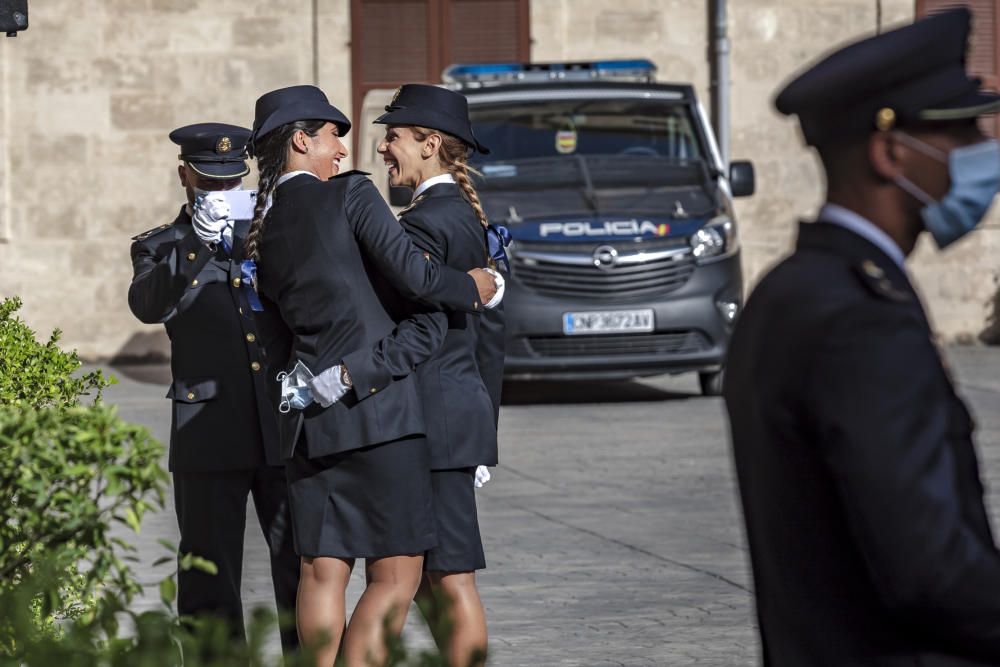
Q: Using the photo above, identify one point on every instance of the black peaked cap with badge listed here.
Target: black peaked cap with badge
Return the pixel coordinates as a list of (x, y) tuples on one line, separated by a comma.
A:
[(214, 150), (432, 107), (912, 75), (287, 105)]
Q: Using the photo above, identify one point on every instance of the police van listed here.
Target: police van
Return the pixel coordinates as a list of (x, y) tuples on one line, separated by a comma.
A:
[(626, 255)]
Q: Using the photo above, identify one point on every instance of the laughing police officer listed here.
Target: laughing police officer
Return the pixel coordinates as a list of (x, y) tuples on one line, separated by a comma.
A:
[(223, 439), (869, 540)]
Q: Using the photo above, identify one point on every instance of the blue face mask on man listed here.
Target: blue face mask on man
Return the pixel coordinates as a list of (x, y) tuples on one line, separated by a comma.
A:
[(975, 179)]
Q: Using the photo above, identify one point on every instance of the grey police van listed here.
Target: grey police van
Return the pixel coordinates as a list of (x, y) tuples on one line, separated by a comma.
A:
[(626, 256)]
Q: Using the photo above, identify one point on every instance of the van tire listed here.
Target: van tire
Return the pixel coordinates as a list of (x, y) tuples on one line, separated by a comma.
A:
[(711, 383)]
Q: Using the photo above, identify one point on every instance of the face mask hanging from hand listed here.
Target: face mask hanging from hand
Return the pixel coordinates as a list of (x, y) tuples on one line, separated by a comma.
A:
[(975, 179), (295, 393)]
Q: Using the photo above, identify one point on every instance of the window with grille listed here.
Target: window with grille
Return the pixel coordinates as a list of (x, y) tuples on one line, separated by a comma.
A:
[(412, 41)]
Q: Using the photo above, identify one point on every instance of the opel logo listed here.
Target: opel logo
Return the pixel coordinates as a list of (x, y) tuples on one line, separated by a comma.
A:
[(605, 257)]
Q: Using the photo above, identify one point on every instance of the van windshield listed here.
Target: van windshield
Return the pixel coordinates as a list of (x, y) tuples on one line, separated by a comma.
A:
[(611, 142)]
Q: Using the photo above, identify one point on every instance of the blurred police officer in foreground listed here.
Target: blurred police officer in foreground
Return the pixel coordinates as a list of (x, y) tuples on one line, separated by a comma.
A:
[(864, 509), (223, 439)]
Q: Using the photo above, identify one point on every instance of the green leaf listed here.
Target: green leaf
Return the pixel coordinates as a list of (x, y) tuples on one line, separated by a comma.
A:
[(168, 591), (205, 565), (132, 519)]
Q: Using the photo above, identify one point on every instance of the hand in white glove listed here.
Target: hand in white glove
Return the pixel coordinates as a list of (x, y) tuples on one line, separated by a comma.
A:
[(497, 298), (482, 476), (211, 215), (328, 387)]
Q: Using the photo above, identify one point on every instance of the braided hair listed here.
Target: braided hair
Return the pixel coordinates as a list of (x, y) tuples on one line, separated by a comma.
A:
[(454, 155), (271, 152)]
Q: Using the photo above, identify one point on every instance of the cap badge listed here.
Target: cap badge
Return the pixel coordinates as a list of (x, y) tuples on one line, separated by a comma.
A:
[(395, 96), (885, 119), (224, 145)]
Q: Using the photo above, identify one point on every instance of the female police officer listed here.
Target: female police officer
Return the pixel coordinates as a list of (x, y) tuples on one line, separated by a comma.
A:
[(426, 144), (357, 481)]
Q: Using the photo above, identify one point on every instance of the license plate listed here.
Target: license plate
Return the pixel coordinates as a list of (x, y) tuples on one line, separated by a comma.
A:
[(608, 321)]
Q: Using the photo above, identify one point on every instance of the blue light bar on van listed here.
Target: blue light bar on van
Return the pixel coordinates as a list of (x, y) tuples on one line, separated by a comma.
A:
[(473, 75)]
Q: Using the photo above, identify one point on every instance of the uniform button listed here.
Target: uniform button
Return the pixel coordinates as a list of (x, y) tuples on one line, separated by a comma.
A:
[(194, 283), (236, 282), (251, 338), (372, 390), (475, 304), (190, 395), (191, 256), (255, 366), (241, 310)]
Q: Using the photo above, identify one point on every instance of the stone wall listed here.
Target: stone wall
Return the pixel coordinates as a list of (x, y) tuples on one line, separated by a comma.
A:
[(91, 90)]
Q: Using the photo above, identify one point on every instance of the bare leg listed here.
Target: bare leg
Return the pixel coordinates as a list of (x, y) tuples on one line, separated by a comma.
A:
[(319, 608), (392, 583), (450, 602)]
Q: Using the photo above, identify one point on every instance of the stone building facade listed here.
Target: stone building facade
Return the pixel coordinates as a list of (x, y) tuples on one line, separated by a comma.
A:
[(90, 91)]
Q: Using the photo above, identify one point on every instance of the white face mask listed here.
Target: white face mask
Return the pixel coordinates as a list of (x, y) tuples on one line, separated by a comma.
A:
[(198, 191)]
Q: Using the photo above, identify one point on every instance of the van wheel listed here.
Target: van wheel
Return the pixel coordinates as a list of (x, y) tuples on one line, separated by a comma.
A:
[(711, 383)]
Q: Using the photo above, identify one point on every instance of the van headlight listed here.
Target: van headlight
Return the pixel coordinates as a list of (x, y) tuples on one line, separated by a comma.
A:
[(716, 240)]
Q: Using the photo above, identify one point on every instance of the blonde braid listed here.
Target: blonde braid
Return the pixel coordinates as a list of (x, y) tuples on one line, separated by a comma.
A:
[(453, 157)]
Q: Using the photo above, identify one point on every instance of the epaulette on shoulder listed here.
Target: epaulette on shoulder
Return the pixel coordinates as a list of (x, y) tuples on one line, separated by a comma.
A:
[(409, 207), (152, 232), (873, 277), (352, 172)]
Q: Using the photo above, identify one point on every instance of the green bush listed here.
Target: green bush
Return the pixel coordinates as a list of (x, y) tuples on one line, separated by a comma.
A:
[(67, 474), (38, 374)]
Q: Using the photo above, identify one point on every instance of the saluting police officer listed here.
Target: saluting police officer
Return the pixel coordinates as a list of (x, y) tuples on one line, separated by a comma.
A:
[(224, 438), (868, 536)]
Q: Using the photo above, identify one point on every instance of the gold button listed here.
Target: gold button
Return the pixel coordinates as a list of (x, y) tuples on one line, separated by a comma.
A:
[(372, 390), (190, 395), (251, 338), (236, 282), (194, 283), (885, 119), (255, 366), (191, 256)]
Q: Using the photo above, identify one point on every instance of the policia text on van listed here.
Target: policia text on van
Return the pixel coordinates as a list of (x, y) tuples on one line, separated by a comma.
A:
[(626, 254)]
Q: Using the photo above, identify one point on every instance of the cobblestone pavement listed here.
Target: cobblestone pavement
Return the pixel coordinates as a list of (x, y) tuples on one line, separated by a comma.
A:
[(612, 528)]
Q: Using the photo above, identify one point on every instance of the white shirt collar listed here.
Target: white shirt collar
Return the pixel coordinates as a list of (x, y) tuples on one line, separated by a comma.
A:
[(434, 180), (287, 176), (866, 229)]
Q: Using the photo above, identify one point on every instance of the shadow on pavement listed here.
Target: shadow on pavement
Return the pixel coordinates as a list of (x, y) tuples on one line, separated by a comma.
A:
[(542, 392)]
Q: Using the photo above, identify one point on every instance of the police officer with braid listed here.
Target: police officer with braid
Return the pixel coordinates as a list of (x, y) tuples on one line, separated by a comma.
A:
[(224, 437)]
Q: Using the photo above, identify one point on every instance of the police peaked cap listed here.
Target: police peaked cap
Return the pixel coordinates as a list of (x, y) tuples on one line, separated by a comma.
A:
[(432, 107), (914, 74), (213, 150), (287, 105)]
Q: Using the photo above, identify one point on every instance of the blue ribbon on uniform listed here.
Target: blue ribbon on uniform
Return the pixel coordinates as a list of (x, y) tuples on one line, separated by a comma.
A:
[(497, 239), (248, 281)]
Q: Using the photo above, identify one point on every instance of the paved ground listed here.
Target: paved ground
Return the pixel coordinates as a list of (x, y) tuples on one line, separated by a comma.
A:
[(612, 529)]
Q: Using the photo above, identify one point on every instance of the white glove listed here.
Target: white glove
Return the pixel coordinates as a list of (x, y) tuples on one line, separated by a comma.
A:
[(497, 298), (211, 215), (328, 387), (482, 476)]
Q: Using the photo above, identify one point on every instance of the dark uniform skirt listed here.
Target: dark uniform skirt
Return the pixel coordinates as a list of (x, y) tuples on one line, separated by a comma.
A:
[(460, 546), (364, 503)]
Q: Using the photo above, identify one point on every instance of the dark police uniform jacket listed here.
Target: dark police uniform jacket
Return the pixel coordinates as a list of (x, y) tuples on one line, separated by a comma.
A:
[(868, 536), (460, 384), (222, 417), (323, 243)]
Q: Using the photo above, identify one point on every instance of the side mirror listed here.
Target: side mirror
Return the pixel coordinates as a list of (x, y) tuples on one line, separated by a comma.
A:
[(400, 196), (741, 178)]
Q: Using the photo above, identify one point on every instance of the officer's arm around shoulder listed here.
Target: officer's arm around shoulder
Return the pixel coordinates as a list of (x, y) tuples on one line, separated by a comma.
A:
[(886, 424), (383, 240)]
